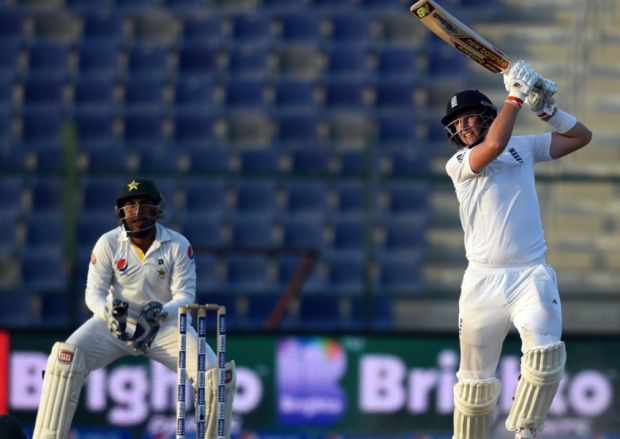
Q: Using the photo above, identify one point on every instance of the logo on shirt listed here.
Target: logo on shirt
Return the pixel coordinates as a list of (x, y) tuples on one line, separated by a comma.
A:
[(190, 252), (460, 157), (515, 155), (122, 265), (93, 259)]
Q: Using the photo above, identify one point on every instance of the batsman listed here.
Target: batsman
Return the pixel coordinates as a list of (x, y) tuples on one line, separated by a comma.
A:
[(140, 273), (507, 280)]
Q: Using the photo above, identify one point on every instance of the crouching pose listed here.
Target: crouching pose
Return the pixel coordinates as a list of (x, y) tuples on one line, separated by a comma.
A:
[(507, 280), (139, 275)]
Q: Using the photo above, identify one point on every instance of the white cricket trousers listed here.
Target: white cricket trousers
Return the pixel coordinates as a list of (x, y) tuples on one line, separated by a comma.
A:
[(493, 298)]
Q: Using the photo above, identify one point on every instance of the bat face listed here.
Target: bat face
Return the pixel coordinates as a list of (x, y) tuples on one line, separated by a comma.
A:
[(462, 38)]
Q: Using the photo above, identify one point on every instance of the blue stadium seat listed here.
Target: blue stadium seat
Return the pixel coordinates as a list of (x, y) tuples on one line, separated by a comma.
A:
[(294, 94), (11, 196), (93, 224), (260, 307), (43, 93), (310, 159), (160, 158), (207, 158), (385, 4), (143, 93), (99, 194), (98, 59), (297, 129), (85, 7), (56, 310), (260, 160), (443, 60), (346, 275), (249, 274), (44, 231), (288, 265), (104, 26), (283, 5), (12, 25), (298, 27), (346, 63), (319, 313), (48, 60), (9, 244), (249, 61), (203, 231), (199, 27), (348, 237), (108, 157), (395, 129), (380, 314), (148, 61), (253, 28), (13, 156), (136, 6), (345, 94), (349, 29), (41, 125), (193, 130), (406, 162), (198, 59), (398, 63), (402, 200), (298, 233), (193, 93), (142, 128), (252, 232), (94, 127), (396, 96), (255, 198), (9, 56), (6, 127), (244, 93), (207, 277), (43, 270), (401, 275), (206, 199), (324, 5), (349, 196), (93, 93), (305, 200), (48, 155), (16, 310), (404, 240)]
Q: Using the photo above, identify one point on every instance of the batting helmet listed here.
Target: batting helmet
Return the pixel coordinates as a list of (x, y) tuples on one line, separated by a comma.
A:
[(11, 428), (138, 187), (468, 100)]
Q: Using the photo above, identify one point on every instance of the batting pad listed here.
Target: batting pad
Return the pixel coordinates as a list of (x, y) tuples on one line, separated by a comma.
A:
[(64, 375), (474, 401), (212, 403), (542, 369)]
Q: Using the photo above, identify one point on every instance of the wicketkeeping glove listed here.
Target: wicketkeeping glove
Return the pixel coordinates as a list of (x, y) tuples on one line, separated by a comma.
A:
[(520, 80), (147, 326), (116, 317)]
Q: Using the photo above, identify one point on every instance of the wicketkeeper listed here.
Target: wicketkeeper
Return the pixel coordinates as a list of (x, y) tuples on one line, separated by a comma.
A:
[(507, 280), (140, 273)]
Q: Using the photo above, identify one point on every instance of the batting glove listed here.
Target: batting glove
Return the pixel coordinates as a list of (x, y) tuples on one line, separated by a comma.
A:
[(520, 80), (541, 100)]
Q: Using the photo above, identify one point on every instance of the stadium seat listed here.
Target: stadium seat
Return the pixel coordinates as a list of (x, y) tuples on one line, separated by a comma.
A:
[(16, 310), (9, 55), (148, 62), (324, 5), (282, 5), (110, 157), (401, 275), (259, 309), (58, 25), (260, 160), (443, 60), (206, 199), (142, 93), (255, 198), (102, 25), (208, 158), (298, 27), (348, 199), (203, 231), (395, 129), (401, 200), (93, 94), (194, 129), (348, 239), (154, 25), (346, 275), (252, 28), (94, 127), (12, 25), (294, 94), (41, 93), (160, 158), (6, 127), (11, 196), (297, 129), (297, 61), (406, 162), (84, 7), (249, 274), (48, 60), (403, 239), (252, 232), (309, 159), (44, 230), (93, 224), (398, 63), (99, 193), (41, 125), (143, 128), (346, 63), (244, 93), (305, 200), (385, 4), (288, 266), (98, 59), (247, 128), (9, 243), (207, 276), (319, 313), (345, 94), (198, 59), (396, 96), (300, 233), (43, 270), (379, 316), (193, 93), (199, 27), (249, 61), (347, 29), (56, 310)]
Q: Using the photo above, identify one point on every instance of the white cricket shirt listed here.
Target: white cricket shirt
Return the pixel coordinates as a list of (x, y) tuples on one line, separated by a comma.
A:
[(499, 207), (167, 274)]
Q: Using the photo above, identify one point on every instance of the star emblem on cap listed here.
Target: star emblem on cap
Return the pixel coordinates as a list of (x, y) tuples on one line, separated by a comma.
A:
[(133, 185)]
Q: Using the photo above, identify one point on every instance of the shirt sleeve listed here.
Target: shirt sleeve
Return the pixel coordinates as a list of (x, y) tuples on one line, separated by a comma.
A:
[(541, 145), (458, 167), (183, 283), (100, 274)]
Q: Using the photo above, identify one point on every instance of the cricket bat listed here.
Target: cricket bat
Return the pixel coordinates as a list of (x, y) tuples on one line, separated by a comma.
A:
[(461, 37)]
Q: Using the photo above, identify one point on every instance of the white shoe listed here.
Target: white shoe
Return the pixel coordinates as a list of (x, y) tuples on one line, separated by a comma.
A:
[(526, 433)]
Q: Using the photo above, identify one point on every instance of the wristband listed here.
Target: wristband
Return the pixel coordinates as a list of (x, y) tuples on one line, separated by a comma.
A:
[(514, 101), (562, 122)]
